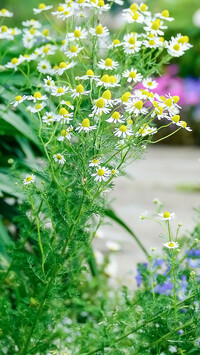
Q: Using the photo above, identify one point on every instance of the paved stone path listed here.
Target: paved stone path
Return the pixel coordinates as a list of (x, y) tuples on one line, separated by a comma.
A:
[(157, 175)]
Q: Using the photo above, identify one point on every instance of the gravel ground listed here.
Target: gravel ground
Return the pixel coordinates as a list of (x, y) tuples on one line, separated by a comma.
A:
[(158, 175)]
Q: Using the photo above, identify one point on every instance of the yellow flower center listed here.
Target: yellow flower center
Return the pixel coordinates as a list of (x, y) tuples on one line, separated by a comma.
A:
[(99, 30), (63, 112), (166, 214), (168, 102), (37, 95), (159, 110), (41, 6), (143, 7), (60, 90), (63, 42), (165, 13), (108, 62), (155, 25), (32, 31), (95, 161), (176, 99), (133, 7), (59, 156), (113, 171), (49, 117), (66, 13), (138, 105), (176, 47), (176, 118), (135, 15), (100, 103), (77, 33), (68, 103), (60, 9), (64, 133), (46, 32), (45, 49), (100, 3), (4, 28), (105, 78), (29, 178), (38, 106), (112, 79), (132, 74), (171, 244), (18, 98), (90, 72), (3, 11), (107, 95), (14, 61), (80, 89), (152, 42), (161, 39), (123, 128), (13, 31), (183, 124), (62, 65), (100, 172), (55, 67), (44, 66), (130, 121), (183, 39), (115, 115), (85, 123), (132, 40), (73, 49), (126, 96), (116, 41)]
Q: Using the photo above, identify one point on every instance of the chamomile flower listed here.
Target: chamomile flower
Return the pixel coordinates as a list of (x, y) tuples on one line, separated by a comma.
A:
[(18, 100), (73, 51), (32, 23), (48, 49), (49, 117), (67, 103), (171, 245), (79, 91), (99, 31), (100, 107), (159, 112), (6, 33), (65, 134), (164, 15), (113, 246), (146, 130), (183, 124), (13, 64), (59, 158), (108, 81), (28, 40), (131, 44), (133, 16), (95, 162), (85, 126), (152, 42), (48, 83), (107, 64), (115, 43), (124, 99), (37, 96), (63, 66), (37, 108), (184, 41), (156, 27), (115, 118), (102, 174), (136, 106), (88, 76), (77, 34), (101, 6), (148, 83), (42, 7), (29, 179), (175, 49), (44, 67), (107, 96), (5, 13), (64, 116), (132, 75), (59, 91), (166, 216), (114, 172), (122, 131)]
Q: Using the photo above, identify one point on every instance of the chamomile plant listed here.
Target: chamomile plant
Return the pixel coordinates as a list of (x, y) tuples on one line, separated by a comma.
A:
[(90, 119)]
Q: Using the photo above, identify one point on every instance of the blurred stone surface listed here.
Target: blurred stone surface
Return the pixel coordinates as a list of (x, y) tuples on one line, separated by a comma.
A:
[(157, 175)]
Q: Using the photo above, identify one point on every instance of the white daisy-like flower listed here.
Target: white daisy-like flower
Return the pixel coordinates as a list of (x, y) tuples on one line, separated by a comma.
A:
[(88, 76), (6, 33), (122, 131), (115, 43), (99, 31), (15, 31), (65, 134), (42, 7), (143, 215), (37, 108), (102, 174), (159, 113), (113, 246), (67, 103), (44, 67), (101, 6), (64, 12), (164, 15), (118, 2), (29, 179), (32, 23), (99, 257), (131, 44), (132, 75), (85, 126), (59, 91), (13, 64), (146, 130), (48, 83), (149, 83), (124, 99), (49, 117), (136, 106), (156, 27), (152, 42), (100, 107), (114, 172), (73, 51), (183, 40), (171, 106), (27, 58), (37, 96), (59, 158), (48, 49), (133, 16), (5, 13), (175, 49), (63, 66), (183, 124), (107, 64), (115, 118), (166, 216), (108, 81), (95, 162), (78, 34), (64, 116), (79, 91), (19, 99), (171, 245), (28, 40)]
